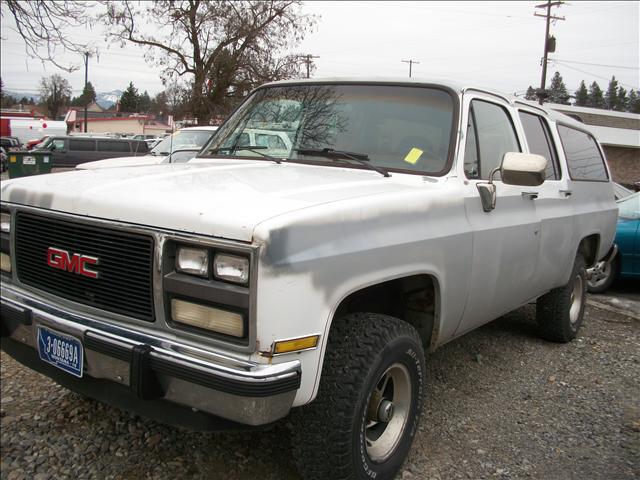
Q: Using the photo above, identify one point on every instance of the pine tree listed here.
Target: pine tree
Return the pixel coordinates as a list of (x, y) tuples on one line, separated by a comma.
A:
[(130, 100), (558, 90), (531, 94), (582, 95), (622, 104), (596, 97), (144, 104), (633, 102), (88, 94), (611, 98)]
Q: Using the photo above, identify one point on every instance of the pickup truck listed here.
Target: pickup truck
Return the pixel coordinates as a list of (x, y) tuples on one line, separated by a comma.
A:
[(254, 283)]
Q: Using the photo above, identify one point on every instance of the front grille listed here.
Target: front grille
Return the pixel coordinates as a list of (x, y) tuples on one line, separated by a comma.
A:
[(124, 283)]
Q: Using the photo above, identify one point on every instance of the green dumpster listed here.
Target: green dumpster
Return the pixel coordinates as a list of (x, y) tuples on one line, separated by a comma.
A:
[(26, 163)]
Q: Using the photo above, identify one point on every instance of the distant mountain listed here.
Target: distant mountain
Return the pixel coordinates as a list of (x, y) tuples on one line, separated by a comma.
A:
[(107, 99), (20, 95)]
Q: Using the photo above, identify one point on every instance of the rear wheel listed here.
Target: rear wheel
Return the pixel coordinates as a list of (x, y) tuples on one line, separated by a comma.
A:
[(602, 276), (560, 312), (363, 421)]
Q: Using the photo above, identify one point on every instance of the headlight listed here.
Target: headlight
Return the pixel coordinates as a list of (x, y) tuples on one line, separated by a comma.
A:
[(209, 318), (231, 268), (194, 261), (5, 222)]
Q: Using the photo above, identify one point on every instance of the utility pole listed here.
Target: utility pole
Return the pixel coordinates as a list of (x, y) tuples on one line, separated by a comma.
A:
[(410, 62), (549, 45), (86, 76), (308, 59)]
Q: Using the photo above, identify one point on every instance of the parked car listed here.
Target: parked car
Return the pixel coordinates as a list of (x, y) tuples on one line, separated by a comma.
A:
[(620, 191), (10, 143), (69, 151), (180, 147), (625, 263), (4, 164), (255, 281)]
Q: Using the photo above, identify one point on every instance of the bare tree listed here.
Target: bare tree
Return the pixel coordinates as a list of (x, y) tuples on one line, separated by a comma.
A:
[(45, 26), (55, 92), (224, 47)]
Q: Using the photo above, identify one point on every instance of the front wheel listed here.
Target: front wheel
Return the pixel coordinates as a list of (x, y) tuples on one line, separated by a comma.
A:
[(363, 421), (560, 312)]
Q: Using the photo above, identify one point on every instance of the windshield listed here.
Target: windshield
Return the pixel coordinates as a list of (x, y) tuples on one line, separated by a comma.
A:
[(181, 140), (403, 128), (629, 208)]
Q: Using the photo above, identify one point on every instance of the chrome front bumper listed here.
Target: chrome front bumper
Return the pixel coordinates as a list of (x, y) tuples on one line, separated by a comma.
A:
[(156, 368)]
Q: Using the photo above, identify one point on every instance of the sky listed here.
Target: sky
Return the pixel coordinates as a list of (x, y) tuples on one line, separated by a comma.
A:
[(491, 44)]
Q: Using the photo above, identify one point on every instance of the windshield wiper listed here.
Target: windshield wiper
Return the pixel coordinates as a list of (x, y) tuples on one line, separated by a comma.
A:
[(332, 154), (249, 148)]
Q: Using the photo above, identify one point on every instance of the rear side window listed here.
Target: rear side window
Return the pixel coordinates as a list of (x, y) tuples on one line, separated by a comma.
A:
[(583, 156), (540, 142), (113, 146), (490, 134), (82, 145)]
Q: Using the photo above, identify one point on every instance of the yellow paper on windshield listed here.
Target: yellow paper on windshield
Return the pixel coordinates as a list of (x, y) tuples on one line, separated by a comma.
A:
[(413, 156)]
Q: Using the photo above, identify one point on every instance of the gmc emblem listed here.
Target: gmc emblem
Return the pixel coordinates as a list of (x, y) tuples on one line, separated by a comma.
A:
[(75, 263)]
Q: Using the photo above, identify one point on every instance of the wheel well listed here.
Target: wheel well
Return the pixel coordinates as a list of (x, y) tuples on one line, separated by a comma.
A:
[(413, 299), (589, 249)]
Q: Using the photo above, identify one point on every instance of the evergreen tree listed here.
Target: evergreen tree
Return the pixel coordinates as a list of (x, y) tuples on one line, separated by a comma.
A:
[(582, 96), (531, 94), (633, 102), (130, 100), (622, 104), (144, 104), (88, 94), (596, 97), (611, 98), (558, 90)]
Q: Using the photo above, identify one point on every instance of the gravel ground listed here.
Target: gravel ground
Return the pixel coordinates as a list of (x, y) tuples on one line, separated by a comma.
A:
[(500, 404)]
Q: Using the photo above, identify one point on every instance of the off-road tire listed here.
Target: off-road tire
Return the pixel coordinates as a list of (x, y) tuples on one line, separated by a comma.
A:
[(554, 309), (328, 435)]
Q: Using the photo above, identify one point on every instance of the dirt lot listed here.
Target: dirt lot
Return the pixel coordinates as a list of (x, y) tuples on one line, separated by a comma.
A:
[(500, 404)]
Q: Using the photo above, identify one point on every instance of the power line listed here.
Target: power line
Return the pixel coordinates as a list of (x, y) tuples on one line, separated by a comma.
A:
[(410, 62), (593, 74), (592, 64)]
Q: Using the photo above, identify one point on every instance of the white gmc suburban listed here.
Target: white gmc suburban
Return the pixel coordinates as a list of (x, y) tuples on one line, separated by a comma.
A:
[(266, 278)]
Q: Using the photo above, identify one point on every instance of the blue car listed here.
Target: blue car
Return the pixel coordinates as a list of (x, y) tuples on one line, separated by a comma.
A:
[(626, 263)]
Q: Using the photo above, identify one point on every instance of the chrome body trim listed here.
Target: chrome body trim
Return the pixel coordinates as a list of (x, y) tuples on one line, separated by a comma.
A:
[(240, 408)]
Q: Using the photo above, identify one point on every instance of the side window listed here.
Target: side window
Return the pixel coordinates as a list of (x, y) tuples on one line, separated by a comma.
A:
[(495, 136), (58, 144), (82, 145), (583, 156), (111, 146), (540, 142), (471, 149)]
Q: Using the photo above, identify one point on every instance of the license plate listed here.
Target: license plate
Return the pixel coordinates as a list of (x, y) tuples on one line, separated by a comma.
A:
[(29, 161), (60, 350)]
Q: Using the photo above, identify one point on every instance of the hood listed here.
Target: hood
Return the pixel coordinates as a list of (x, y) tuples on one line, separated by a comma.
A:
[(221, 198), (123, 162)]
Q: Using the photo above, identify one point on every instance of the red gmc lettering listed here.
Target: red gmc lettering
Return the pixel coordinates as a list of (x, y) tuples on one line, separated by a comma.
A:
[(75, 263)]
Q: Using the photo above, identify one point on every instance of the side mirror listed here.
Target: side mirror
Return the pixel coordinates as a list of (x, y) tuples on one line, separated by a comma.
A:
[(525, 169), (52, 148)]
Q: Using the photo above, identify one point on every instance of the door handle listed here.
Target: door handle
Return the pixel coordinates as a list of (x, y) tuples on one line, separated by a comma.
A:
[(566, 193), (531, 195)]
